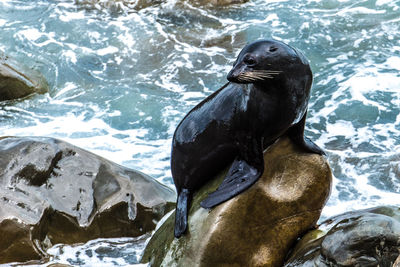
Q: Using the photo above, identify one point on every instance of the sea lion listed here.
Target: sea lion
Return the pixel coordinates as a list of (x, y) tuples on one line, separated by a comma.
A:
[(266, 97)]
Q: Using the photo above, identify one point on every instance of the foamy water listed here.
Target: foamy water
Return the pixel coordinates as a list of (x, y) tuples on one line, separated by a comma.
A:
[(121, 80)]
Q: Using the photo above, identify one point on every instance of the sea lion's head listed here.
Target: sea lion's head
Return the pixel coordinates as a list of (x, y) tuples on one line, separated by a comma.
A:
[(268, 60)]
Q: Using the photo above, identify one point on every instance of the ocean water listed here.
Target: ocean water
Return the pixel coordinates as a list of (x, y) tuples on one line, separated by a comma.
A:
[(121, 79)]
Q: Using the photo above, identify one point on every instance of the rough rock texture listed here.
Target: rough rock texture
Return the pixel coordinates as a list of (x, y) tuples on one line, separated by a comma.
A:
[(52, 192), (361, 238), (257, 227), (17, 80)]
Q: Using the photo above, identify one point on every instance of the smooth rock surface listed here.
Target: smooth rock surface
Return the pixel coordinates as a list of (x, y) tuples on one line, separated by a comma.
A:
[(53, 192), (360, 238), (18, 80), (257, 227)]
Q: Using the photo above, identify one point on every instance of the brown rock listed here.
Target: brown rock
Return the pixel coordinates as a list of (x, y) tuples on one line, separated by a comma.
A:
[(18, 81), (52, 192), (257, 227)]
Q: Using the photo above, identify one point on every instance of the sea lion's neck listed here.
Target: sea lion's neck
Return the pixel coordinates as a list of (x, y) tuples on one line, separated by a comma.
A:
[(268, 88)]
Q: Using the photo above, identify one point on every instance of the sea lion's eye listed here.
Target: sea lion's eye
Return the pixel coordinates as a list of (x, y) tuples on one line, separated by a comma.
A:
[(250, 61), (273, 49)]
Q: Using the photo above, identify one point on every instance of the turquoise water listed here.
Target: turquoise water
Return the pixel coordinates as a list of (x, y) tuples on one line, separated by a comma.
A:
[(121, 79)]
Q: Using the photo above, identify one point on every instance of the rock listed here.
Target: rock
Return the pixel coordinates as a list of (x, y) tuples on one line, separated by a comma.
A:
[(52, 192), (397, 262), (257, 227), (368, 237), (119, 5), (18, 81)]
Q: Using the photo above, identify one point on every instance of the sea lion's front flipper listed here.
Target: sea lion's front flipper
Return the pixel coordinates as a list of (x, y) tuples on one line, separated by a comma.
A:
[(296, 134), (242, 174)]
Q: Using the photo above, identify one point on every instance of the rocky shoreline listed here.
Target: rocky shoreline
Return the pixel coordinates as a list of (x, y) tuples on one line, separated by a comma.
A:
[(53, 192)]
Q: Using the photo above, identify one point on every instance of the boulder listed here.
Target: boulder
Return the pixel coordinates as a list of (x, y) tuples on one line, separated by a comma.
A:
[(368, 237), (257, 227), (53, 192), (18, 80)]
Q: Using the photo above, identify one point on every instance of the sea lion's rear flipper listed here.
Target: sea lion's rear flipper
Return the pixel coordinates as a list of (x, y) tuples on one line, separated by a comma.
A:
[(181, 212), (296, 134), (244, 172)]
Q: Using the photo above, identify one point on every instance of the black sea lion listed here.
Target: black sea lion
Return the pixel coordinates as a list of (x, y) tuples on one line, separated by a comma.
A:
[(266, 97)]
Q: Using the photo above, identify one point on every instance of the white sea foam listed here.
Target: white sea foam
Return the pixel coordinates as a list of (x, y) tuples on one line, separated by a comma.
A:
[(94, 252), (31, 34), (359, 10), (68, 17), (107, 50), (70, 55)]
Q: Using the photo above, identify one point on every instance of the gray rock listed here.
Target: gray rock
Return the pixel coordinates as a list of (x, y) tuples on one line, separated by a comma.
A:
[(18, 81), (360, 238), (257, 227), (53, 192)]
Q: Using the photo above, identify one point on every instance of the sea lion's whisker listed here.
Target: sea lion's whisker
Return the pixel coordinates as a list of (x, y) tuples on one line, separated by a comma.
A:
[(257, 75), (248, 77)]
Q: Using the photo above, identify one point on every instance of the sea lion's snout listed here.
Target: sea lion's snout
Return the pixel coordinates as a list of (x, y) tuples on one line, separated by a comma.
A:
[(231, 77), (235, 74)]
